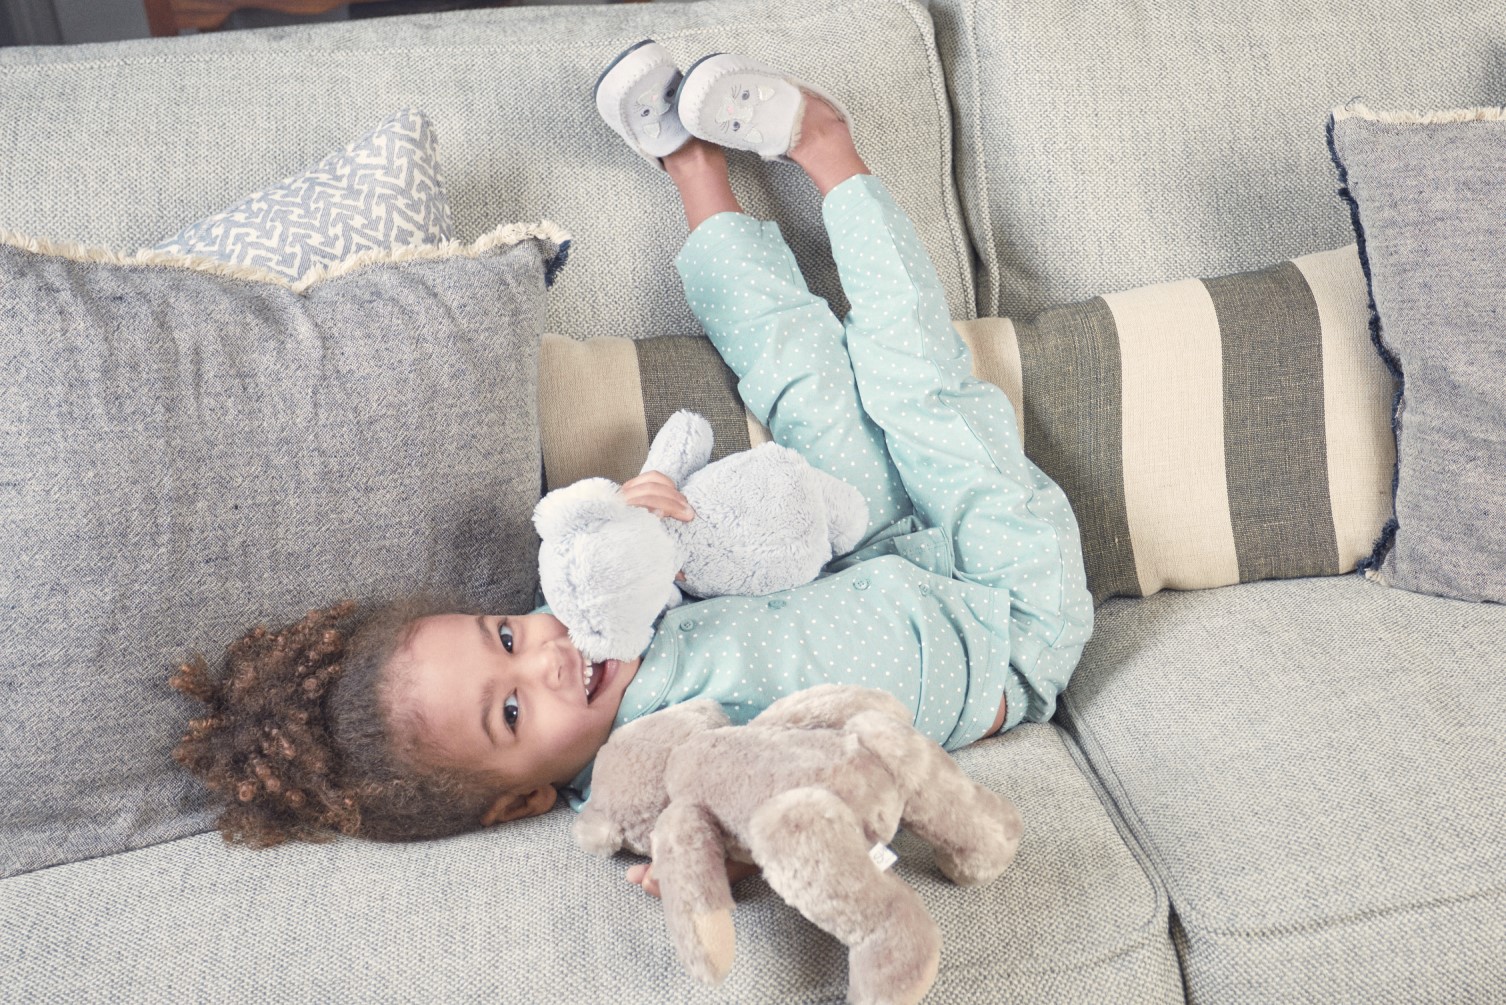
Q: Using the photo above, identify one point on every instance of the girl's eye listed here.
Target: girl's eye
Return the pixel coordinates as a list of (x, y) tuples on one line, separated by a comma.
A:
[(510, 711), (505, 634)]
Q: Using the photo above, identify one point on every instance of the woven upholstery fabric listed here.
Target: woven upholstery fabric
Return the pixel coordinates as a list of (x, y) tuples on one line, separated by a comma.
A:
[(381, 191), (1101, 147), (512, 96), (185, 454), (519, 914), (1429, 202), (603, 400), (1314, 768)]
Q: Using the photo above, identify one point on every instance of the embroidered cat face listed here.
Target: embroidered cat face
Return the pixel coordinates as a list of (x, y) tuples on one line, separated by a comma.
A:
[(650, 104), (738, 107)]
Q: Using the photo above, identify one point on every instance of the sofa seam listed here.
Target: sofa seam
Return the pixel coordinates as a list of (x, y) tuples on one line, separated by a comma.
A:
[(1154, 875), (989, 249), (1352, 918), (920, 17), (1120, 807), (1146, 938)]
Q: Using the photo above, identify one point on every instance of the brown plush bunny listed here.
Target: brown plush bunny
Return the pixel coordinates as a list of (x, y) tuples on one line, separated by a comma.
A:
[(807, 790)]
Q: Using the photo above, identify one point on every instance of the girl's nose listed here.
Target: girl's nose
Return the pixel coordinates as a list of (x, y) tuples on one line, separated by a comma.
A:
[(553, 662)]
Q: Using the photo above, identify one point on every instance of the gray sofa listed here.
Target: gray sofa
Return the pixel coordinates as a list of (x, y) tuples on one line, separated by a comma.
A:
[(1279, 791)]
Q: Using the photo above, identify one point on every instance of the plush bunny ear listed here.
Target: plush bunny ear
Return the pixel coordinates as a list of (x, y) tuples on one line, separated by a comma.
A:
[(681, 447), (585, 503)]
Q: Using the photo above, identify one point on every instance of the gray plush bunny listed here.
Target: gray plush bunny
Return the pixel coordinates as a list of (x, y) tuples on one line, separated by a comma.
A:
[(765, 521)]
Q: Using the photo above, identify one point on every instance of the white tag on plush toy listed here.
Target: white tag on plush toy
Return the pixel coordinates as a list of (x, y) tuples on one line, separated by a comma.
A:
[(882, 856)]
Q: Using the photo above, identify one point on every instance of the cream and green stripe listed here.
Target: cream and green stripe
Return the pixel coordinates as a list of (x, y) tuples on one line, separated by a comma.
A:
[(1207, 431)]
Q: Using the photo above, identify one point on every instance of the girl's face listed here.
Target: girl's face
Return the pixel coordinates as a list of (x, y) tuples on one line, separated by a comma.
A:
[(508, 695)]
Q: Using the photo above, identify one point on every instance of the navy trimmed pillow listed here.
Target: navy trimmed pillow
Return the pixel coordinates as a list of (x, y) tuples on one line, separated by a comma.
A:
[(1428, 197)]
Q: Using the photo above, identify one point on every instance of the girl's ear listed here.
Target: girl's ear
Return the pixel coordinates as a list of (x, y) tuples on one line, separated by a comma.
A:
[(517, 805)]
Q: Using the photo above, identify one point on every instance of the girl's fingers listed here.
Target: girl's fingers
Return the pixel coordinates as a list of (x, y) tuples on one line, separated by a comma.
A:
[(654, 496), (643, 875)]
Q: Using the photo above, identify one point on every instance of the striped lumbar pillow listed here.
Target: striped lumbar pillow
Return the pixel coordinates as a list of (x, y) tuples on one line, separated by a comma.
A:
[(601, 401), (1207, 431)]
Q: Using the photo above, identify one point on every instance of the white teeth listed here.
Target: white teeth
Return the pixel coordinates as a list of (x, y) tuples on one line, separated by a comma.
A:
[(590, 676)]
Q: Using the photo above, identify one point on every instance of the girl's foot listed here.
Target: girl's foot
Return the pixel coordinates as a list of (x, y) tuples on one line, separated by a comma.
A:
[(744, 104), (699, 171), (635, 96)]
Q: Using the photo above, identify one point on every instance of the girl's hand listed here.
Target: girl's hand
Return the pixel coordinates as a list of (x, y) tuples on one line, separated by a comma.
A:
[(643, 875), (654, 492)]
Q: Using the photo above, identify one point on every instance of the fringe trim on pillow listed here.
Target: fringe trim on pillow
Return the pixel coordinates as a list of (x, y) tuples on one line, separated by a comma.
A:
[(1357, 110), (505, 235)]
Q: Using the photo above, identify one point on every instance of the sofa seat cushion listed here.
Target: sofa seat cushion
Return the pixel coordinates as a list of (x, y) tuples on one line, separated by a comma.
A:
[(519, 914), (510, 92), (1314, 767)]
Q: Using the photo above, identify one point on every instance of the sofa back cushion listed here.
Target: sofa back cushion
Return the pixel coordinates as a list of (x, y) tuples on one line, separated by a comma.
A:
[(510, 91), (187, 451), (1102, 147)]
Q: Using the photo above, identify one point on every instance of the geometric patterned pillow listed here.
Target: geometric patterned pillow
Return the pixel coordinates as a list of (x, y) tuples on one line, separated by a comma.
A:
[(381, 192), (1206, 431)]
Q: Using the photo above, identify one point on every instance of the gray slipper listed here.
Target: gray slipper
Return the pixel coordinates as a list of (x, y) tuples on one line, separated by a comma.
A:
[(745, 104), (635, 96)]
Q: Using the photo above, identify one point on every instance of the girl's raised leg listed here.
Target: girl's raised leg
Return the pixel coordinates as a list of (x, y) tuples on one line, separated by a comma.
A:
[(952, 438), (781, 340), (699, 171), (826, 152)]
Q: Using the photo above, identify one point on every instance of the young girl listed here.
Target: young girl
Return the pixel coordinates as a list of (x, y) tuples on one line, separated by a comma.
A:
[(966, 598)]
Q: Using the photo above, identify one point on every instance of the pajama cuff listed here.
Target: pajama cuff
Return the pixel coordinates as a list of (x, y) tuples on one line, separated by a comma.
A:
[(1018, 698), (719, 228)]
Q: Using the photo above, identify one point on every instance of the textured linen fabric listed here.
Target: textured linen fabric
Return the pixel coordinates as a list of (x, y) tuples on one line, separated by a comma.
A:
[(1103, 147), (511, 92), (1314, 768), (382, 191), (602, 401), (1208, 431), (968, 585), (519, 914), (185, 454), (1429, 201)]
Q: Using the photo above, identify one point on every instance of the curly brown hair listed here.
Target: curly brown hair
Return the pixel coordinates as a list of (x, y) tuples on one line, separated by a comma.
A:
[(298, 736)]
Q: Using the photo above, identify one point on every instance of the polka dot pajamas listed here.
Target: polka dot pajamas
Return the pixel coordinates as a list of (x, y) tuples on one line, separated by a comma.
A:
[(969, 585)]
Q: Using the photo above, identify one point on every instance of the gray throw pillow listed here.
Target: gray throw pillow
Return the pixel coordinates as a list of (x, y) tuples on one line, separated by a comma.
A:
[(1428, 198), (188, 450)]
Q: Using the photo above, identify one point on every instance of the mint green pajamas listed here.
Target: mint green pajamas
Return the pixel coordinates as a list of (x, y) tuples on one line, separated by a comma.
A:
[(969, 585)]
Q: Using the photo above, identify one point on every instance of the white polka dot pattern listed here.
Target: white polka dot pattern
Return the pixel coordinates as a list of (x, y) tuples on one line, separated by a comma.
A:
[(969, 586)]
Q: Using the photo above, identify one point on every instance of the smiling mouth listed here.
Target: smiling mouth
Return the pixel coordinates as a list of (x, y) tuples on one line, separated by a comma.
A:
[(596, 676)]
